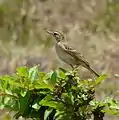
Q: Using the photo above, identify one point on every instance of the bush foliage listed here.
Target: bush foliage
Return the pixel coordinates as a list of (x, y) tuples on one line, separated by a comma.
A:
[(57, 95)]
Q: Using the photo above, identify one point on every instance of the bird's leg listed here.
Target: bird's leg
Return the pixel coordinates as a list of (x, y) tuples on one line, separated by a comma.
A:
[(76, 67), (72, 66), (74, 82)]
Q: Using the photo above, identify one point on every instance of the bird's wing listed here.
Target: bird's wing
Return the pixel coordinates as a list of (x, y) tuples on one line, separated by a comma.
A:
[(70, 49), (74, 53), (78, 57)]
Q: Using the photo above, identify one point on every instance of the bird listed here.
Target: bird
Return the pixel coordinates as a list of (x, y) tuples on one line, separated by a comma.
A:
[(69, 55)]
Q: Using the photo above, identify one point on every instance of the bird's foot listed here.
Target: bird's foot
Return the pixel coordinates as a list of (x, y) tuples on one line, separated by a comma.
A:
[(75, 68)]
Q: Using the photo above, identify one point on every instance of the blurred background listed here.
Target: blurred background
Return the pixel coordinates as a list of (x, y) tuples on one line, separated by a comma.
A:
[(90, 26)]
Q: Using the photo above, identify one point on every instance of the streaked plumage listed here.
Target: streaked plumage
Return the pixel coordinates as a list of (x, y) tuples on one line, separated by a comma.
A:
[(68, 54)]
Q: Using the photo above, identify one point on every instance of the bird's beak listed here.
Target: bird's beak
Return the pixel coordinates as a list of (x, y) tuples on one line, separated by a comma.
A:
[(49, 32)]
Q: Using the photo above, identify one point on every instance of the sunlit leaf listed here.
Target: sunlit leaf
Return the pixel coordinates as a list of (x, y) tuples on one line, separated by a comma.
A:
[(33, 73), (111, 111), (36, 106), (100, 79), (47, 113), (47, 101), (22, 71), (61, 74)]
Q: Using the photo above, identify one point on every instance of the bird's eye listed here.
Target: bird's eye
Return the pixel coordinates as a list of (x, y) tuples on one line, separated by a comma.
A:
[(55, 33)]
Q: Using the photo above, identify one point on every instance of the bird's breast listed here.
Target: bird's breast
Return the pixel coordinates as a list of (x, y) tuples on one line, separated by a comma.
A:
[(64, 56)]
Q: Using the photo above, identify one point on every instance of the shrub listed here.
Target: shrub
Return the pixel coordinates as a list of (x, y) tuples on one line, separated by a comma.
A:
[(57, 95)]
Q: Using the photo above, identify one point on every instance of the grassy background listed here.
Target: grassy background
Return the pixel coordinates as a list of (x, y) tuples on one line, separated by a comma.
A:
[(90, 26)]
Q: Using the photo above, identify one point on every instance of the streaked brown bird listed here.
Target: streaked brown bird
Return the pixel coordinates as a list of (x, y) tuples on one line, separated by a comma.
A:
[(68, 54)]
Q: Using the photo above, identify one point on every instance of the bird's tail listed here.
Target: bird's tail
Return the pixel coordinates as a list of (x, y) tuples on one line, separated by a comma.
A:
[(93, 71)]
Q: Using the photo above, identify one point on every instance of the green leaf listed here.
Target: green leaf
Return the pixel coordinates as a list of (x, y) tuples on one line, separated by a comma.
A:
[(47, 101), (24, 102), (43, 82), (36, 106), (50, 79), (4, 82), (53, 78), (33, 73), (23, 93), (44, 85), (5, 85), (111, 111), (68, 97), (100, 79), (47, 113), (23, 71), (95, 103), (61, 74)]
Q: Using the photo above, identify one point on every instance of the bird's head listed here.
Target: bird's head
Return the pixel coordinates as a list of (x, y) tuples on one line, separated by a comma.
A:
[(57, 35)]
